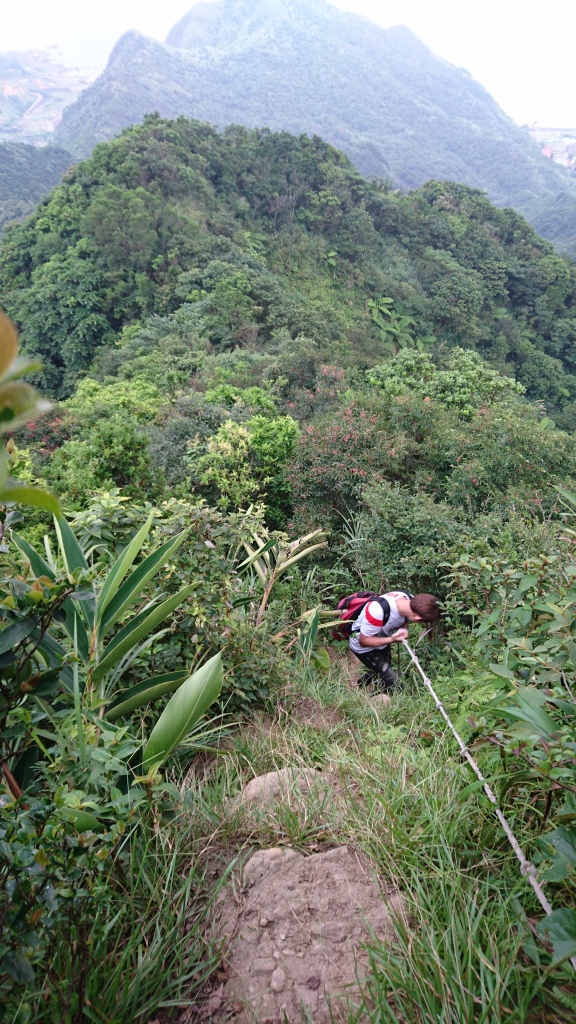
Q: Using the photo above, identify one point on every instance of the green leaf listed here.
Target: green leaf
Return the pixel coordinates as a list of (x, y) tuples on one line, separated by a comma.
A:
[(41, 568), (300, 556), (559, 928), (530, 580), (121, 567), (257, 554), (143, 693), (567, 495), (131, 588), (131, 637), (17, 492), (542, 723), (564, 842), (321, 659), (82, 820), (502, 671), (71, 551), (185, 708), (16, 632), (468, 790)]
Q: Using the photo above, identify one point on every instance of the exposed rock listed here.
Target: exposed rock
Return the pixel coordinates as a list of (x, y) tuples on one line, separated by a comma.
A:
[(266, 789), (317, 911), (381, 700)]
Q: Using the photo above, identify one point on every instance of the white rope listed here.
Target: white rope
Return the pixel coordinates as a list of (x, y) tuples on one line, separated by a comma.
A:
[(527, 869)]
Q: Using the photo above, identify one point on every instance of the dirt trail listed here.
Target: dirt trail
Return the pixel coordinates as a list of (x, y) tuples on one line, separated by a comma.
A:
[(294, 933)]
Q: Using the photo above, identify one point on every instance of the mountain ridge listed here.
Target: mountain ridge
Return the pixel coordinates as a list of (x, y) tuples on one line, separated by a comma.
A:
[(381, 95)]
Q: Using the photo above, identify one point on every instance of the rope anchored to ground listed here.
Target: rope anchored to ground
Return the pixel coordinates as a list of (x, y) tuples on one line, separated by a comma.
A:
[(527, 869)]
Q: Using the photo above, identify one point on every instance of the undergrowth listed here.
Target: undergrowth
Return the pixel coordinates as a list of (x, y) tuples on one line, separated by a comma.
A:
[(464, 951)]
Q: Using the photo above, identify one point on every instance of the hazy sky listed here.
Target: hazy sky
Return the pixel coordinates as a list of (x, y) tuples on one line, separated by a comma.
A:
[(523, 51)]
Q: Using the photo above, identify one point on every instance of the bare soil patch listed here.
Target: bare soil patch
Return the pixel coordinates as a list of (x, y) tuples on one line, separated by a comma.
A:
[(293, 928), (308, 711)]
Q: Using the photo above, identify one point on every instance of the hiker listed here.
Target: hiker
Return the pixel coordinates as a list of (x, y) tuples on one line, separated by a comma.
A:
[(380, 622)]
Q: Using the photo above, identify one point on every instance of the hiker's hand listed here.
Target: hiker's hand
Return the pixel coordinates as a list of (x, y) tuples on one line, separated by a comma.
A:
[(399, 635)]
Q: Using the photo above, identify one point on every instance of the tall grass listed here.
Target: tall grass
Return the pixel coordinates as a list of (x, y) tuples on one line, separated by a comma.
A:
[(145, 948), (461, 954), (464, 951)]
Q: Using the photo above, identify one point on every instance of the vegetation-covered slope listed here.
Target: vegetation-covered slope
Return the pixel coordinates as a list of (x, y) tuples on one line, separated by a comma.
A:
[(247, 335), (26, 174), (257, 234), (382, 96)]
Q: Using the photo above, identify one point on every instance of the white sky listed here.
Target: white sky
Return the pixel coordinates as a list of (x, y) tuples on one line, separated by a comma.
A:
[(522, 51)]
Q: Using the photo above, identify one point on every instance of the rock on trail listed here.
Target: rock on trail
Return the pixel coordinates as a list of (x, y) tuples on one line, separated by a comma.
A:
[(294, 934)]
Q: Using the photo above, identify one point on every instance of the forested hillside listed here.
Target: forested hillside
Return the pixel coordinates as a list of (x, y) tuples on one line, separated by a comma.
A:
[(26, 174), (175, 215), (275, 383), (398, 111)]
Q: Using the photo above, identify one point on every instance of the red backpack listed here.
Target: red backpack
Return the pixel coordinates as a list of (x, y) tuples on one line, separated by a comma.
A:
[(351, 607)]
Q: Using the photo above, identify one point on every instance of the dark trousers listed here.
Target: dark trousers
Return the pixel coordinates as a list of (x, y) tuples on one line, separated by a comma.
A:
[(378, 661)]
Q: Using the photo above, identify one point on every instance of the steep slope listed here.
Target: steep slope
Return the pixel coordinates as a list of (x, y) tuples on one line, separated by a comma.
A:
[(268, 239), (26, 174), (381, 96)]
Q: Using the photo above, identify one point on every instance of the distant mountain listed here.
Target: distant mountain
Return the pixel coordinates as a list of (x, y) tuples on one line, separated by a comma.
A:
[(34, 89), (394, 107), (26, 174)]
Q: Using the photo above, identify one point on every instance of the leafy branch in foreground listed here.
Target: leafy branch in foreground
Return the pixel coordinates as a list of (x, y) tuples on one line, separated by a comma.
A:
[(19, 403)]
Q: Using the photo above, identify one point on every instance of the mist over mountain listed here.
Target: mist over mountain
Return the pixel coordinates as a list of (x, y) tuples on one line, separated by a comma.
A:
[(394, 107)]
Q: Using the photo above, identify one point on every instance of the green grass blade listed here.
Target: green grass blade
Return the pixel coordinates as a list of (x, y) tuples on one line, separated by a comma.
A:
[(185, 708), (143, 693), (121, 567), (131, 588), (131, 638)]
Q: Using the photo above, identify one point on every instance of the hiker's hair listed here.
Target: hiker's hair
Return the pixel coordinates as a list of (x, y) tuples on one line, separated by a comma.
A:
[(426, 606)]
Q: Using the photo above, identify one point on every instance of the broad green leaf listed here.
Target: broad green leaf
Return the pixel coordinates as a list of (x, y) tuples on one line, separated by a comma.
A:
[(39, 566), (321, 659), (17, 492), (308, 637), (131, 588), (559, 928), (569, 496), (185, 708), (15, 633), (83, 821), (564, 841), (121, 567), (502, 671), (543, 724), (256, 554), (468, 790), (143, 693), (71, 551), (131, 638)]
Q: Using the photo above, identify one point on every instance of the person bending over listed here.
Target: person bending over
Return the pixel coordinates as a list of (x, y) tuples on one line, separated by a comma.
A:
[(382, 623)]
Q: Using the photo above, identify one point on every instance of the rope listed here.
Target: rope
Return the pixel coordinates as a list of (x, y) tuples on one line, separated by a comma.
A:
[(527, 869)]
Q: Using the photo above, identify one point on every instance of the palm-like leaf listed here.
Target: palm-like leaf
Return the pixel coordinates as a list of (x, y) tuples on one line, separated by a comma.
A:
[(186, 707)]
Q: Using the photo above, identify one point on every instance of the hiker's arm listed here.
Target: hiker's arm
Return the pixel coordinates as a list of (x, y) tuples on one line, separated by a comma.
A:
[(383, 641)]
